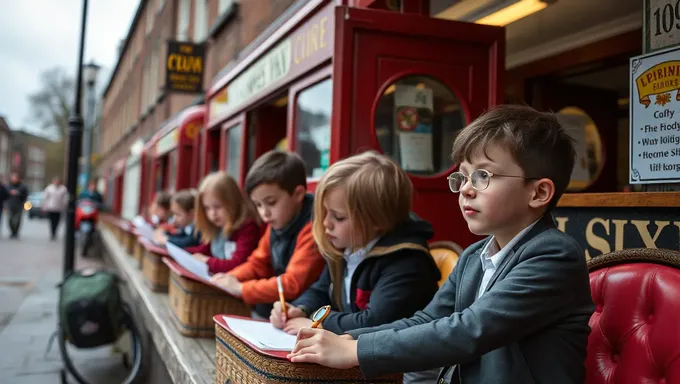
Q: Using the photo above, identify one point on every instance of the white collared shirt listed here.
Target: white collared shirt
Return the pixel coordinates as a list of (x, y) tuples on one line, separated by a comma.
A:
[(492, 256), (353, 259)]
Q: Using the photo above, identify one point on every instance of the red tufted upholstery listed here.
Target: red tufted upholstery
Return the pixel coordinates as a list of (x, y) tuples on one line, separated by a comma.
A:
[(635, 337)]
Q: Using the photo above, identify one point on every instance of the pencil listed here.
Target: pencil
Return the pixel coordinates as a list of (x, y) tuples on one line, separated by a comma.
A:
[(282, 297)]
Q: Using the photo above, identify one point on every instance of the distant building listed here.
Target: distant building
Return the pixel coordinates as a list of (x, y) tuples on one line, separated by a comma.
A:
[(29, 159), (5, 151)]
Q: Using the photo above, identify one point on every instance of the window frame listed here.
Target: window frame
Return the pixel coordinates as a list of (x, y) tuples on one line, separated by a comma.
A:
[(294, 91)]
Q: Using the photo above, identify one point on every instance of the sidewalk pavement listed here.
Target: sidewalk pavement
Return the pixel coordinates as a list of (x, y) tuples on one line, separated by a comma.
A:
[(32, 267)]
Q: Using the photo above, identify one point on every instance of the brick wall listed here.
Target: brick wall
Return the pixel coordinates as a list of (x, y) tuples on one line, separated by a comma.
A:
[(125, 115)]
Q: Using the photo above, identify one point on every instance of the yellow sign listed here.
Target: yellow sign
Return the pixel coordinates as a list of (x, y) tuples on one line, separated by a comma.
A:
[(309, 40), (659, 80), (192, 130), (184, 67)]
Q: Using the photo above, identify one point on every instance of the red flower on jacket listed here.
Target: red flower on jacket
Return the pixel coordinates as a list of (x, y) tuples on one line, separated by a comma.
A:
[(362, 298)]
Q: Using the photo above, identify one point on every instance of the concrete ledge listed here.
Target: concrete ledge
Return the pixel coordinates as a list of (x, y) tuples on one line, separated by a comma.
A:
[(187, 360)]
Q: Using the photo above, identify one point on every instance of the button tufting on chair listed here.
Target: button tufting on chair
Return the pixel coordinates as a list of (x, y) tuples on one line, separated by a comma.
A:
[(635, 330)]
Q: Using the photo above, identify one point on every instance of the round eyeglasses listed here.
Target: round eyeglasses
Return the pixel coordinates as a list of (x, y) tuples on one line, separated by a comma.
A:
[(320, 315), (480, 179)]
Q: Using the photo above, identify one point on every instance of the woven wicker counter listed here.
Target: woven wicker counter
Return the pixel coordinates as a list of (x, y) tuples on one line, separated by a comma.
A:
[(187, 360)]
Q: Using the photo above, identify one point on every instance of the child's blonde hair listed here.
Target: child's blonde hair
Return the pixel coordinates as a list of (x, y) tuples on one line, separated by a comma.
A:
[(238, 207), (378, 196)]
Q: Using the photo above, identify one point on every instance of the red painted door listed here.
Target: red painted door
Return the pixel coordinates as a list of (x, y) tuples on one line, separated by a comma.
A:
[(405, 85)]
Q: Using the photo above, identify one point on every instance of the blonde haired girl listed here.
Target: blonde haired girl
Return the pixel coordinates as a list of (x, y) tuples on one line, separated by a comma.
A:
[(227, 222), (378, 266)]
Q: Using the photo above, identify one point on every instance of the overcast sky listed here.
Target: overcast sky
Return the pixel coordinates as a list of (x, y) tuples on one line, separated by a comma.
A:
[(37, 35)]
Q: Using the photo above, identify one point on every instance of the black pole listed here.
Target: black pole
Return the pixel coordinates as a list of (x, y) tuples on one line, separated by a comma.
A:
[(75, 123)]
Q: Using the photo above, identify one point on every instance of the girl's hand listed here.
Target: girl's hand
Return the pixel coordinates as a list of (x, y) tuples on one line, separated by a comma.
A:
[(200, 257), (160, 238), (294, 325), (230, 284), (325, 348), (279, 319)]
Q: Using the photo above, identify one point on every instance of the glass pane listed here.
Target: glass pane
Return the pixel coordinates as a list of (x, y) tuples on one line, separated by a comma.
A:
[(160, 174), (172, 171), (587, 144), (234, 151), (110, 191), (131, 191), (313, 126), (416, 121)]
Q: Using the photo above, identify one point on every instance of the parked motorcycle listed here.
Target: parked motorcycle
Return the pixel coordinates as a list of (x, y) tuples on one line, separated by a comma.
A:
[(87, 214)]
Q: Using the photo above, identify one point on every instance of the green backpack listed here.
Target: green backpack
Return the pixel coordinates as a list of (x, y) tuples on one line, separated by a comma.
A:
[(91, 312)]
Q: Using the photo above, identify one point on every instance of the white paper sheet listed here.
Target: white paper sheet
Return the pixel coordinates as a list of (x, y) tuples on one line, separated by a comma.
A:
[(260, 334), (187, 261), (138, 221)]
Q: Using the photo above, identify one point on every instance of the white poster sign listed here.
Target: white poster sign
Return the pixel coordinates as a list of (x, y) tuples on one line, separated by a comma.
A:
[(654, 118), (413, 115)]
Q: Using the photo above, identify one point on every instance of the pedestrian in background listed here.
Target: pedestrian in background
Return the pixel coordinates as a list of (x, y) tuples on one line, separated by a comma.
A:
[(54, 203), (4, 195), (18, 193)]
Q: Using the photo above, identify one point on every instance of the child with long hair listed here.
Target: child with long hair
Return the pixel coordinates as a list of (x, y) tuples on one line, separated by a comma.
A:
[(378, 265), (183, 232), (228, 224)]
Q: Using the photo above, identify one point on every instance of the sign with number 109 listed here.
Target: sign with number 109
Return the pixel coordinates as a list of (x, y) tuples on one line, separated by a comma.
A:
[(662, 23)]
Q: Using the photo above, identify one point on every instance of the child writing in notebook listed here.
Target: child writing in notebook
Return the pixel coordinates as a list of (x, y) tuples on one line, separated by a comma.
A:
[(277, 184), (184, 233), (159, 212), (516, 307), (227, 222), (378, 267)]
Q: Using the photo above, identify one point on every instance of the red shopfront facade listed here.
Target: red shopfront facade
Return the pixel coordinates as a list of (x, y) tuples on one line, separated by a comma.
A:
[(332, 81), (174, 159)]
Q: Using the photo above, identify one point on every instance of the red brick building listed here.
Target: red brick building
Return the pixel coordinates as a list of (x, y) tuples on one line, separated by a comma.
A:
[(136, 102), (5, 149)]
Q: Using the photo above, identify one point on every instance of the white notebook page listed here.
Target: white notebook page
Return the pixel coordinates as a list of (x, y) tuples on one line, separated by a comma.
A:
[(260, 334), (185, 259)]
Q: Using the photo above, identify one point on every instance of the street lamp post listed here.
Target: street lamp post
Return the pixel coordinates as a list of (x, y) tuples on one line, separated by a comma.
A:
[(75, 123), (90, 71)]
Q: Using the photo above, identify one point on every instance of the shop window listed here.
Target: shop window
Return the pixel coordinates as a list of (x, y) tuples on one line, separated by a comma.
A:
[(313, 126), (234, 151), (172, 171), (587, 144), (417, 118)]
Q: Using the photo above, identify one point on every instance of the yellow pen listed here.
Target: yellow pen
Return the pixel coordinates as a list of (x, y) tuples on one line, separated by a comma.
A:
[(282, 297)]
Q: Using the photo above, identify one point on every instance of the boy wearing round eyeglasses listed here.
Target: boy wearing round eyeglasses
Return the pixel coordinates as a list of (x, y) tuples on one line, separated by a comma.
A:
[(516, 307)]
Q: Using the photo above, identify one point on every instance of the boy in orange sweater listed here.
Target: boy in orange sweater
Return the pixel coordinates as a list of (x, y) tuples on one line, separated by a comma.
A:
[(277, 185)]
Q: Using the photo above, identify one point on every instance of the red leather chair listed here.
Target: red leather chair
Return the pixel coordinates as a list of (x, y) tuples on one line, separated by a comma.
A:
[(635, 336)]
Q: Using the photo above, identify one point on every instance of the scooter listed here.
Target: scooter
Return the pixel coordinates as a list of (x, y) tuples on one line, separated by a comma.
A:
[(87, 214)]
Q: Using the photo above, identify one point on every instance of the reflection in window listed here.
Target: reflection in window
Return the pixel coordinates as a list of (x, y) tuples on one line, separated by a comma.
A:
[(172, 171), (160, 174), (416, 121), (313, 127), (234, 152), (589, 155)]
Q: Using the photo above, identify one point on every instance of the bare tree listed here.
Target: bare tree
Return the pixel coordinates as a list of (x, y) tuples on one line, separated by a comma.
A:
[(51, 105)]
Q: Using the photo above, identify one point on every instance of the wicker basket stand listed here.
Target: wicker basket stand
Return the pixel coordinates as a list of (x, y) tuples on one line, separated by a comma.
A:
[(236, 362), (193, 305)]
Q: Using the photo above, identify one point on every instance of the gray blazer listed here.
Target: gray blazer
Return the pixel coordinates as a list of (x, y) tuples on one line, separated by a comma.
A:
[(530, 325)]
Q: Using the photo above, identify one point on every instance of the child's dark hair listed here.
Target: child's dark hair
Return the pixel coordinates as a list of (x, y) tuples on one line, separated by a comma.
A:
[(285, 169), (536, 140), (162, 199), (186, 199)]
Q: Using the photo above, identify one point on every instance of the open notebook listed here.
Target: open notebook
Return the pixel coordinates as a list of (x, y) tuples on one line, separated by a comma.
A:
[(260, 334), (187, 261), (143, 228)]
